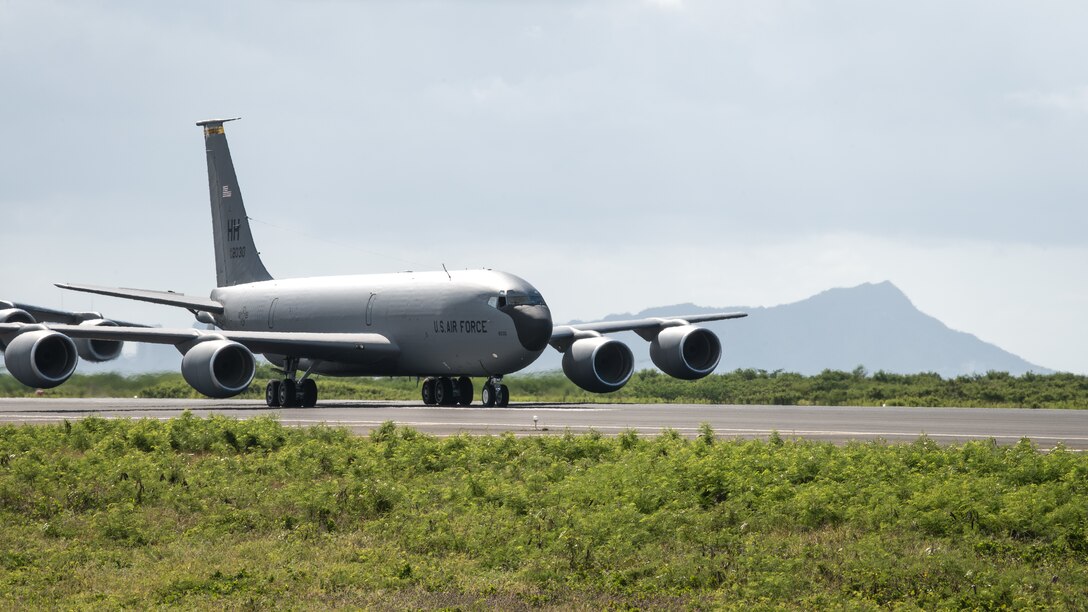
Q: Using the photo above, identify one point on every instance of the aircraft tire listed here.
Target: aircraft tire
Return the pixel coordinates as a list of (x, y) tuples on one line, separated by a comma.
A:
[(287, 393), (487, 396), (443, 392), (502, 396), (308, 391), (464, 385), (428, 391), (272, 394)]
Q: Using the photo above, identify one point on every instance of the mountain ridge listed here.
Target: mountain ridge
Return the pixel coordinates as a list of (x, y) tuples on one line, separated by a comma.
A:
[(874, 325)]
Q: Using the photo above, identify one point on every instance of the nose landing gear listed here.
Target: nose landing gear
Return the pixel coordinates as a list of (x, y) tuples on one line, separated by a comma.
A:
[(495, 393)]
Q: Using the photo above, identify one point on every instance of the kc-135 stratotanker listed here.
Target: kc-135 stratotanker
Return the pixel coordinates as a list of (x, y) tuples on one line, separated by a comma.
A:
[(443, 326)]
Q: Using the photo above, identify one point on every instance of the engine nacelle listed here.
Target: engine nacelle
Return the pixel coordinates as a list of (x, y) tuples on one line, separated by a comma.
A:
[(686, 351), (11, 314), (599, 365), (41, 358), (15, 315), (218, 368), (98, 350)]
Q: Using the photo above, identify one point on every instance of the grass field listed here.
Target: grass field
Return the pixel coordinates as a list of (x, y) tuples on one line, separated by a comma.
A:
[(203, 513)]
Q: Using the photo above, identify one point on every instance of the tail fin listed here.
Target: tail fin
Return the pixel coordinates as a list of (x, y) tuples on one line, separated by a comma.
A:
[(236, 258)]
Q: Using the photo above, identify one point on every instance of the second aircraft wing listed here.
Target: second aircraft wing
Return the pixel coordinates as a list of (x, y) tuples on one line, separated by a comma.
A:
[(41, 313), (563, 335)]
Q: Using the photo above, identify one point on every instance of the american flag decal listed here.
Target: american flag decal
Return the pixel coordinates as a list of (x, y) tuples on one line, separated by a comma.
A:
[(226, 191)]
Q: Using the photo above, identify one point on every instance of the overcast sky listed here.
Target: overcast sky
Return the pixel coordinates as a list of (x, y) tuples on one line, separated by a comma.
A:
[(618, 155)]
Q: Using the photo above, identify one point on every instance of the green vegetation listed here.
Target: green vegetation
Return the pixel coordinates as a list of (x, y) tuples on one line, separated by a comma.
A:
[(858, 388), (202, 513), (829, 388)]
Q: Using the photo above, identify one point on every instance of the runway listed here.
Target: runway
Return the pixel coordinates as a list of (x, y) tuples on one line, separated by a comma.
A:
[(838, 424)]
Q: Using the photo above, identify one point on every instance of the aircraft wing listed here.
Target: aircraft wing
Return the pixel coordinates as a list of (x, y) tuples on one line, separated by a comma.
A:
[(40, 313), (563, 335), (324, 346), (168, 298)]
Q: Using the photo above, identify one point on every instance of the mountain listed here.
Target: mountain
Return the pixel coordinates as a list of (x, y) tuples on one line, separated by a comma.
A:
[(872, 325)]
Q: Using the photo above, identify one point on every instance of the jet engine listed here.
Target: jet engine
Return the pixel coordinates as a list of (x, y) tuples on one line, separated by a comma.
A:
[(13, 315), (218, 368), (98, 350), (686, 351), (598, 365), (41, 358)]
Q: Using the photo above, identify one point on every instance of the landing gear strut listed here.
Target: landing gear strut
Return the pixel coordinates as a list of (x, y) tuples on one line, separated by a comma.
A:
[(291, 392), (444, 391), (495, 393)]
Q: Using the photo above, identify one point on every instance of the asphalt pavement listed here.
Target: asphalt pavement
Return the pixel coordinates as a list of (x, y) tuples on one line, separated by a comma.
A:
[(839, 424)]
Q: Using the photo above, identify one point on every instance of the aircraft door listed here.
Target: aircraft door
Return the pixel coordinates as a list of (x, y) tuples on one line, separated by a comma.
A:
[(272, 313), (370, 309)]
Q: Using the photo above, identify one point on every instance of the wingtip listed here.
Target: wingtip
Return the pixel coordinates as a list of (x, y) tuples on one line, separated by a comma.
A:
[(215, 122)]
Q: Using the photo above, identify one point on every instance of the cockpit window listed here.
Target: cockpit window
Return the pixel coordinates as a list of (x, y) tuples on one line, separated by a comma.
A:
[(514, 298), (524, 300)]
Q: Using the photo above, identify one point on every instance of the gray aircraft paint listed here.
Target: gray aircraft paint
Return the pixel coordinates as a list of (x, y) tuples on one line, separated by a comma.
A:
[(443, 324), (458, 323)]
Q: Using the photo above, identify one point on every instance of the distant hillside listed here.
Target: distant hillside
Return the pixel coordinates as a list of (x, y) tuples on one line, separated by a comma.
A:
[(873, 325)]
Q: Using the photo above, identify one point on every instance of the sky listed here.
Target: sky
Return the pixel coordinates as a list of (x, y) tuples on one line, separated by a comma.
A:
[(618, 155)]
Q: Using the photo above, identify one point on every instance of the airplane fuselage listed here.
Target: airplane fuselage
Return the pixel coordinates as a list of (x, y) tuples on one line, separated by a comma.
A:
[(461, 323)]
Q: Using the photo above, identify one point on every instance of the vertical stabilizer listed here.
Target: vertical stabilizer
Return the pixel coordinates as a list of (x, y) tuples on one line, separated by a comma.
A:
[(236, 258)]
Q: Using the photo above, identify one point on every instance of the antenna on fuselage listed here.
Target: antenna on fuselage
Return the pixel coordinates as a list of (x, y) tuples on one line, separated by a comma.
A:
[(446, 271)]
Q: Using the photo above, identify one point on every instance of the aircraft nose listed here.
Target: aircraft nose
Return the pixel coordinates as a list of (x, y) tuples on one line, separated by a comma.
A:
[(533, 324)]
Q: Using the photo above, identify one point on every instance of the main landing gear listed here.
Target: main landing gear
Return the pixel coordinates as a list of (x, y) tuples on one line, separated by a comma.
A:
[(443, 391), (289, 392)]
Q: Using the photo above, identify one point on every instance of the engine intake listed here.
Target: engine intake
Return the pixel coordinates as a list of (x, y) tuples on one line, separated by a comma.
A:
[(686, 352), (598, 365), (41, 358), (218, 368), (98, 350)]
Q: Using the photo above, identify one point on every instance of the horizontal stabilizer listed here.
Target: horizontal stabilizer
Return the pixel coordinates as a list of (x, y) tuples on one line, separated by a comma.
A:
[(168, 298)]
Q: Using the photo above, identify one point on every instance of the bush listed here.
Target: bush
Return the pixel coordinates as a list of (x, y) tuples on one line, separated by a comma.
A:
[(199, 512)]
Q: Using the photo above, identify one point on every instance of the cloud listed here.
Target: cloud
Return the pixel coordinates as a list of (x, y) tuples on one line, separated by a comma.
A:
[(533, 32), (788, 147), (1070, 102), (668, 5)]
